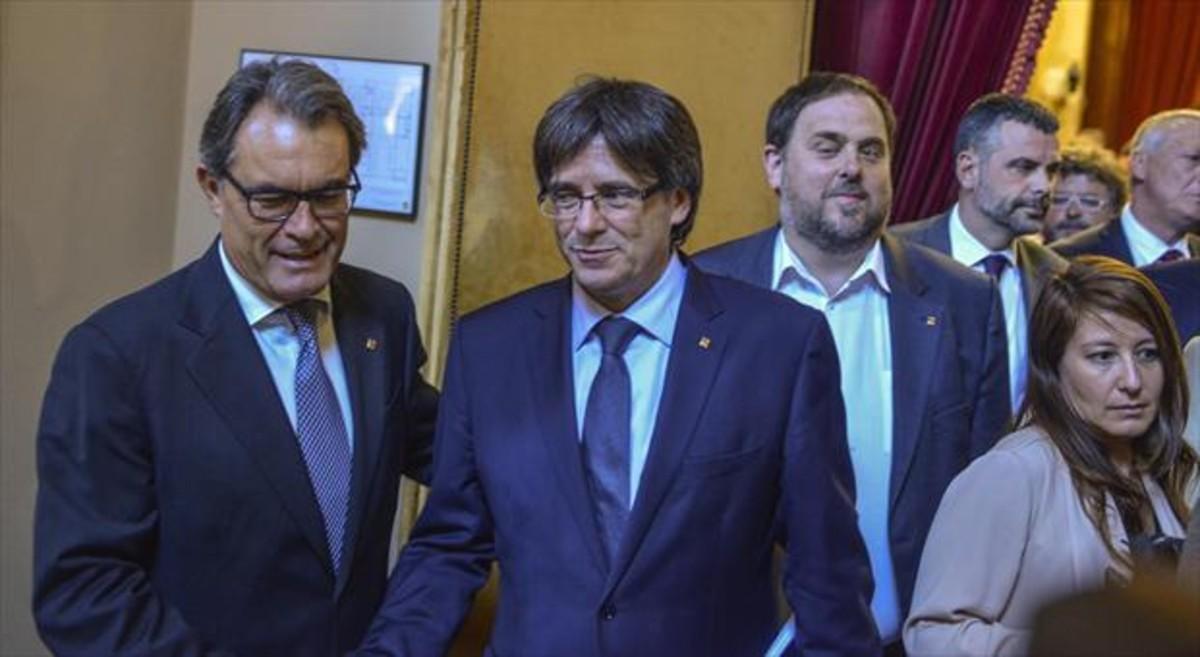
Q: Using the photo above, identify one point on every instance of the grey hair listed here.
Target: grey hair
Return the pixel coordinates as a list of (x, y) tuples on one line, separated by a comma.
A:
[(293, 87), (976, 129), (1151, 134)]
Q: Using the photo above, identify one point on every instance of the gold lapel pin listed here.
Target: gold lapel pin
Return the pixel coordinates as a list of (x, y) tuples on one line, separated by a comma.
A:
[(930, 320), (705, 342), (372, 344)]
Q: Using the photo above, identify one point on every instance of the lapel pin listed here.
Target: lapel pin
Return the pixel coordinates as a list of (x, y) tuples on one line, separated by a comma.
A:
[(705, 342), (930, 320), (372, 344)]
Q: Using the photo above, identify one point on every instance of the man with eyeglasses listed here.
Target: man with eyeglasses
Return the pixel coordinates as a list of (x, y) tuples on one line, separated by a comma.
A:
[(1160, 223), (629, 443), (1006, 162), (219, 453), (1091, 190), (919, 338)]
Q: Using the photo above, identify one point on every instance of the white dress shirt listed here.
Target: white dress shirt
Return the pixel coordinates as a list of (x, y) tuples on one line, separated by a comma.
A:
[(969, 251), (858, 317), (280, 347), (655, 312), (1146, 247)]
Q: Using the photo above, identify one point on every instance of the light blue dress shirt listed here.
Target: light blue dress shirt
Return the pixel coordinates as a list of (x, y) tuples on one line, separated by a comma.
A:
[(970, 252), (280, 347), (1146, 247), (655, 312), (858, 317)]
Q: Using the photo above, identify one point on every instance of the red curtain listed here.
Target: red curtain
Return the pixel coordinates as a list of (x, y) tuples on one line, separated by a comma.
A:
[(931, 58), (1162, 61)]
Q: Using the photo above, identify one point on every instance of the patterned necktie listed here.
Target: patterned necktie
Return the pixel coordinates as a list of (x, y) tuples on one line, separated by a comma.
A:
[(321, 429), (606, 432), (994, 265), (1170, 255)]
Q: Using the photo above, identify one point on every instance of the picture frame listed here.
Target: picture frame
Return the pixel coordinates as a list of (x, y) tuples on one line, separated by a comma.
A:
[(390, 97)]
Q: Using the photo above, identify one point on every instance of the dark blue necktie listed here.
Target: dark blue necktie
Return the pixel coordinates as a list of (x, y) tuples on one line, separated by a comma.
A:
[(321, 429), (994, 265), (606, 432), (1170, 255)]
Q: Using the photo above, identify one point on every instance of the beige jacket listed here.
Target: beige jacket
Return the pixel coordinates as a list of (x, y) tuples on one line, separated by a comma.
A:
[(1010, 535)]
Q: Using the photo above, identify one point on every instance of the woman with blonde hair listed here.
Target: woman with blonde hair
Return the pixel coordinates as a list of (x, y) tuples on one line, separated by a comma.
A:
[(1091, 485)]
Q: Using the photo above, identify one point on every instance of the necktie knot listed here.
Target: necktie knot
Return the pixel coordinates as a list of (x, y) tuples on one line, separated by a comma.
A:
[(615, 334), (1170, 255), (303, 316), (994, 265)]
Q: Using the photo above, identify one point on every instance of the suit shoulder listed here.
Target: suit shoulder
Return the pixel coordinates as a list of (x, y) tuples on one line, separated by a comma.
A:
[(497, 314), (156, 302), (747, 301), (1081, 243), (910, 229), (939, 269), (723, 258)]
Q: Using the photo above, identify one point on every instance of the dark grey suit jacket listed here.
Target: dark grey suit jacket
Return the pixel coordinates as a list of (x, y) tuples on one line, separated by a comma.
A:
[(950, 376), (1107, 239), (1179, 283), (1035, 262)]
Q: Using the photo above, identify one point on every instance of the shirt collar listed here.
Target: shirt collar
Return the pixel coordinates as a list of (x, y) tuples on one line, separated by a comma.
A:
[(968, 250), (256, 306), (1145, 245), (787, 264), (655, 312)]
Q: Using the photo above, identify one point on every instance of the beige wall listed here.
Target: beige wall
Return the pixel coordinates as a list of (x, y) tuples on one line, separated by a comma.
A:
[(395, 29), (91, 94)]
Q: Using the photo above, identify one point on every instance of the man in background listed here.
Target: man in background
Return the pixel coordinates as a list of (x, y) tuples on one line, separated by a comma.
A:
[(219, 453), (1159, 225), (629, 444), (920, 339), (1091, 190), (1006, 162)]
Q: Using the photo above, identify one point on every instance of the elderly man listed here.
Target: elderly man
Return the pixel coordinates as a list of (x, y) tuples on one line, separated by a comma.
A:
[(597, 439), (920, 338), (1091, 190), (1159, 225), (219, 453), (1006, 162)]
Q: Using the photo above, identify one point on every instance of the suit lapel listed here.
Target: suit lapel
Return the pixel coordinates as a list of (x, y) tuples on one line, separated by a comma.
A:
[(1117, 245), (548, 347), (229, 369), (1035, 263), (1193, 244), (916, 328), (366, 381), (691, 370)]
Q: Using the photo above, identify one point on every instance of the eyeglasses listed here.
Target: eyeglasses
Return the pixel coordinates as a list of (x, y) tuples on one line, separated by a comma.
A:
[(1089, 203), (612, 202), (278, 205)]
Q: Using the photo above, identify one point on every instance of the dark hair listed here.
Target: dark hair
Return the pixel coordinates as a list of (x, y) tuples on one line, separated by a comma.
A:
[(975, 130), (293, 87), (1100, 165), (1091, 285), (649, 131), (815, 87)]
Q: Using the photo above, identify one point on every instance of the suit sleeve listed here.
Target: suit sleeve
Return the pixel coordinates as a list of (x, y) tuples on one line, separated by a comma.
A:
[(828, 574), (971, 564), (450, 552), (420, 408), (993, 408), (97, 518)]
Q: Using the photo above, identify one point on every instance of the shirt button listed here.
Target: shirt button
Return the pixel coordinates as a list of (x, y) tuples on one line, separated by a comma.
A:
[(608, 612)]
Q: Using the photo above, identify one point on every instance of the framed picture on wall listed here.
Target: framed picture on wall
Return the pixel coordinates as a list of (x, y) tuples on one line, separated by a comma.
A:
[(389, 96)]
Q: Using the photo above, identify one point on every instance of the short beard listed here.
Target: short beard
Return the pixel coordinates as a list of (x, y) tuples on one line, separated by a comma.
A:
[(810, 224)]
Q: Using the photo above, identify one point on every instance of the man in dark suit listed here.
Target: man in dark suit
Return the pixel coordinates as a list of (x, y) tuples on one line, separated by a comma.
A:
[(219, 453), (1006, 159), (920, 339), (1179, 283), (631, 442), (1159, 225)]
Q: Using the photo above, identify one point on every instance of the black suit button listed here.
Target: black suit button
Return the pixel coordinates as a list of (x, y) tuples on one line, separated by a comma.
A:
[(608, 612)]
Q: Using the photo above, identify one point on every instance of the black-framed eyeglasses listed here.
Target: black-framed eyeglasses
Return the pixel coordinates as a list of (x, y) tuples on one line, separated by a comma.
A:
[(277, 205), (612, 202)]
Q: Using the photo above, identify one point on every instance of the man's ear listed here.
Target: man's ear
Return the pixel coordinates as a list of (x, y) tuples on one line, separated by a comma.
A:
[(773, 166), (966, 168), (210, 185), (681, 205), (1138, 166)]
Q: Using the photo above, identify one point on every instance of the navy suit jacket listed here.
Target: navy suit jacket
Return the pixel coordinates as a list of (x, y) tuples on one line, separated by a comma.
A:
[(1035, 262), (750, 427), (1107, 239), (1179, 283), (949, 374), (174, 511)]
